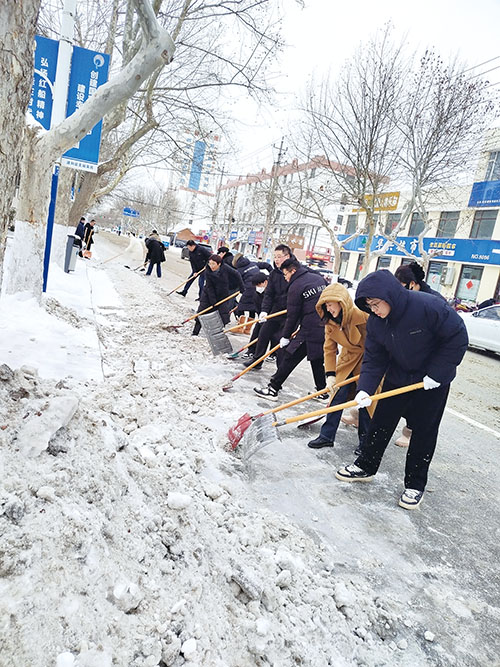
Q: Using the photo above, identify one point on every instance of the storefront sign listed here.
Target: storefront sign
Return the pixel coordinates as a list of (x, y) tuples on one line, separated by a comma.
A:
[(485, 193), (385, 201), (480, 251)]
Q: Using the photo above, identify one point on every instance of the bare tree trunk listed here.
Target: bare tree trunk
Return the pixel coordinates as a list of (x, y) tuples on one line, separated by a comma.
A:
[(41, 150), (17, 31)]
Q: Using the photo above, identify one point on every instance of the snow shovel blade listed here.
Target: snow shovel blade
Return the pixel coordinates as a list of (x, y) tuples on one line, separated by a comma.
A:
[(173, 327), (237, 431), (260, 433), (213, 329)]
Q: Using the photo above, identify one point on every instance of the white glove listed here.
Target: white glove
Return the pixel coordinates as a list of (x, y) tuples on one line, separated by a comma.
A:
[(429, 383), (362, 399), (284, 342), (331, 380), (262, 317)]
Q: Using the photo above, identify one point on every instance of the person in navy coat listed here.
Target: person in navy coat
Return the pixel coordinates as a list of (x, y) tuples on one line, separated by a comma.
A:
[(411, 337)]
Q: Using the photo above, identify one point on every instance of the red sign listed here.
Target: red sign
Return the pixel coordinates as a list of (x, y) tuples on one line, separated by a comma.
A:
[(469, 285), (259, 236)]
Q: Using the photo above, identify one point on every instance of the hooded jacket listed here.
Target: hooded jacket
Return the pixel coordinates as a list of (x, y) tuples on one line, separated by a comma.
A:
[(421, 336), (350, 333), (304, 290), (247, 271)]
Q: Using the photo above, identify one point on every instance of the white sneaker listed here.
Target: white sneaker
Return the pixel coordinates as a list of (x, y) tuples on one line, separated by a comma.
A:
[(353, 473), (411, 499)]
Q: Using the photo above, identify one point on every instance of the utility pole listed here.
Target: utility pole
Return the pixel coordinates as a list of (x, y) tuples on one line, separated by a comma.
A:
[(271, 200), (60, 97), (215, 212)]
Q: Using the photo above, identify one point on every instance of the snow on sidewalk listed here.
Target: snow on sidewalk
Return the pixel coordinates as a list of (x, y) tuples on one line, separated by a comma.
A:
[(129, 536)]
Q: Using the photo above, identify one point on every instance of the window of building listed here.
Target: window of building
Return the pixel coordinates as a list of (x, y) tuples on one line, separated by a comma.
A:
[(352, 223), (359, 267), (300, 231), (393, 220), (483, 225), (493, 168), (468, 284), (344, 261), (417, 224), (383, 263), (313, 172), (340, 218), (447, 226), (278, 215), (434, 274), (407, 260)]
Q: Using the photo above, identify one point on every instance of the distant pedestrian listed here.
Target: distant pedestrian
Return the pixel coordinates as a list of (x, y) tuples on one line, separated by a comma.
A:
[(156, 253), (79, 232), (88, 238), (411, 337)]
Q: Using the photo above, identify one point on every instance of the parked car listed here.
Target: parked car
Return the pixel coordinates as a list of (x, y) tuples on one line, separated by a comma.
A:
[(185, 249), (483, 327), (179, 243)]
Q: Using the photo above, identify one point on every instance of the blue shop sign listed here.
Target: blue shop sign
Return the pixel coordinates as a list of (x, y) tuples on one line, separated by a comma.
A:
[(44, 76), (480, 251), (233, 236), (485, 193), (89, 70), (251, 237)]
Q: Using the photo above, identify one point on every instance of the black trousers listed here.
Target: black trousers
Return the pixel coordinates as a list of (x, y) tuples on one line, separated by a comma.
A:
[(288, 362), (423, 410), (269, 332)]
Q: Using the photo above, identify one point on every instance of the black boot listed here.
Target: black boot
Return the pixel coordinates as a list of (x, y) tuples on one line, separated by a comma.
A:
[(181, 293), (251, 361), (320, 442)]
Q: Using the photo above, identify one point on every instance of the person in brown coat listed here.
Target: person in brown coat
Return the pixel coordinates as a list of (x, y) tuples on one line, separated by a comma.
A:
[(345, 326)]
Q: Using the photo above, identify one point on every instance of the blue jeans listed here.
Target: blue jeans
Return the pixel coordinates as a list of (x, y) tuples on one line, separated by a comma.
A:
[(329, 428), (150, 269)]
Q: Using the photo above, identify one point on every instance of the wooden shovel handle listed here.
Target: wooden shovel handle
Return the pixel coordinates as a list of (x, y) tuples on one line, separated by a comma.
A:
[(245, 324), (245, 347), (309, 396), (202, 312), (186, 281), (264, 356), (351, 404)]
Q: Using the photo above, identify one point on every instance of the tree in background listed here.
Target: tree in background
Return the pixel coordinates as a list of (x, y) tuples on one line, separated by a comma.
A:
[(351, 121), (17, 33)]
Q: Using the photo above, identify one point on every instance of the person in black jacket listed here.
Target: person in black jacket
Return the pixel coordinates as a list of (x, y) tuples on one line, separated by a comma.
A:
[(259, 284), (155, 254), (79, 232), (411, 276), (247, 270), (88, 237), (411, 336), (198, 258), (304, 290), (274, 300), (216, 288), (226, 254)]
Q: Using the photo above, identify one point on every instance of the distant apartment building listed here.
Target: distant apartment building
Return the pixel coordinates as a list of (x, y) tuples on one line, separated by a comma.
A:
[(194, 178)]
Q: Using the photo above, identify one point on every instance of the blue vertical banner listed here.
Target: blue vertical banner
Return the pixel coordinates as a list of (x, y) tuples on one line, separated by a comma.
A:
[(44, 75), (197, 165), (89, 70)]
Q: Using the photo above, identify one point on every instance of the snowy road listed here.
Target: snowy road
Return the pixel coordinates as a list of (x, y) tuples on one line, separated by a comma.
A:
[(191, 556)]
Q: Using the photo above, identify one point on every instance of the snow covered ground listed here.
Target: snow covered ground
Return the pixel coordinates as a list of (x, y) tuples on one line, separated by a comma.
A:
[(131, 535)]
